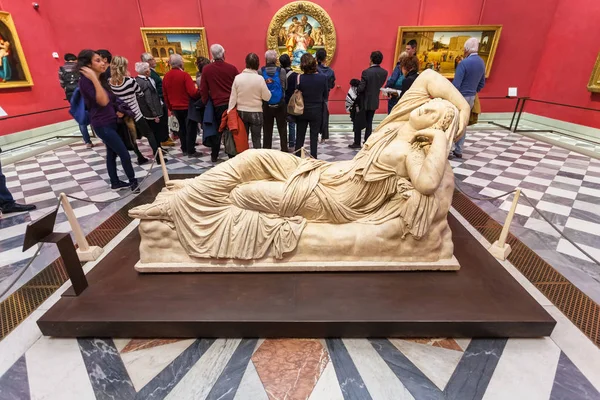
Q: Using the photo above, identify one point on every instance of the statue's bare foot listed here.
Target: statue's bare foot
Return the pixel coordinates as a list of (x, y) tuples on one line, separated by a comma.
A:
[(150, 211)]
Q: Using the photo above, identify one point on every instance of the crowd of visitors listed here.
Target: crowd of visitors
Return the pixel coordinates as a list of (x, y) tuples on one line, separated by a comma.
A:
[(122, 108)]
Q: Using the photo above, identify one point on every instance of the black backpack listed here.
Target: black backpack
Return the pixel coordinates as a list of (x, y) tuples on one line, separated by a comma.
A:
[(71, 80)]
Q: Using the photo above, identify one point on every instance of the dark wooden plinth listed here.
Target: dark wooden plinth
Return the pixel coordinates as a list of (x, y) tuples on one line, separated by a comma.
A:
[(480, 300)]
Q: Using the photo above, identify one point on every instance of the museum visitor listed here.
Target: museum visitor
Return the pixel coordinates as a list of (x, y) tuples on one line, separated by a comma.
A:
[(275, 109), (248, 92), (286, 63)]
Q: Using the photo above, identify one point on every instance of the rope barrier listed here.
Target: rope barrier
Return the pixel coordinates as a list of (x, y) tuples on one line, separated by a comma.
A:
[(528, 200)]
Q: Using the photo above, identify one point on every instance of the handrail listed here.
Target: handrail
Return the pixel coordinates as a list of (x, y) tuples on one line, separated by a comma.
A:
[(563, 105), (33, 113)]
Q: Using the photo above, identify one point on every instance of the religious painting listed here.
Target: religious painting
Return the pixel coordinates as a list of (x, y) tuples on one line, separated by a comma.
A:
[(594, 83), (187, 42), (301, 27), (441, 48), (13, 66)]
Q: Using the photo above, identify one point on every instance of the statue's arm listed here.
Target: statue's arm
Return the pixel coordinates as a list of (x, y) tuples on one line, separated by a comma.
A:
[(438, 86), (426, 172)]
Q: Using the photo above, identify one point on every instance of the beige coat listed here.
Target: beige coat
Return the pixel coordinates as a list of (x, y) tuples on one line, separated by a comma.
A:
[(248, 92)]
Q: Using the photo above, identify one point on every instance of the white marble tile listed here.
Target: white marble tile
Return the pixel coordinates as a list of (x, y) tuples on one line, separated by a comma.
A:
[(511, 155), (507, 181), (481, 163), (86, 210), (58, 175), (380, 380), (15, 254), (573, 170), (532, 194), (567, 248), (491, 192), (77, 166), (51, 167), (554, 208), (24, 177), (542, 226), (526, 162), (593, 179), (518, 171), (40, 197), (589, 191), (522, 209), (56, 370), (26, 167), (537, 181), (13, 346), (196, 384), (120, 343), (84, 175), (251, 388), (463, 343), (35, 214), (490, 171), (17, 195), (583, 226), (525, 371), (582, 352), (36, 185), (144, 365), (585, 206), (13, 231), (533, 154), (94, 185), (567, 180), (486, 155), (561, 193), (13, 184), (437, 363), (551, 162), (108, 195), (64, 185), (463, 171), (477, 181)]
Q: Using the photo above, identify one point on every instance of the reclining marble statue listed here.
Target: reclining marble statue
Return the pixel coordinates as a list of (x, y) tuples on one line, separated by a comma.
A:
[(265, 210)]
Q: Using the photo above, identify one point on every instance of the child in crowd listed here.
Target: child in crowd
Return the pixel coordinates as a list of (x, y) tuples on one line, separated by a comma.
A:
[(353, 106)]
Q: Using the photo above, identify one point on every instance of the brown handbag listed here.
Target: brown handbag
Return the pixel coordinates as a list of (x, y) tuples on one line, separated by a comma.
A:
[(296, 103)]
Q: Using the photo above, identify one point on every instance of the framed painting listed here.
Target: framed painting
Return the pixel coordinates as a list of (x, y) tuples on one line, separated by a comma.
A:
[(13, 66), (301, 27), (594, 83), (441, 47), (187, 42)]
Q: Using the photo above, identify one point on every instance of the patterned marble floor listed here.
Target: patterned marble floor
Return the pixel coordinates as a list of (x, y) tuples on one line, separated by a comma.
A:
[(564, 366)]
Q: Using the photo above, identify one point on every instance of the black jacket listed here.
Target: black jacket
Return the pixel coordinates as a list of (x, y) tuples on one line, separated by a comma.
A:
[(371, 80), (150, 105)]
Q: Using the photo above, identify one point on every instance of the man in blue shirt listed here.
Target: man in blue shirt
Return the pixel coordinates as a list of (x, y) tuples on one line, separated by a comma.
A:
[(469, 79)]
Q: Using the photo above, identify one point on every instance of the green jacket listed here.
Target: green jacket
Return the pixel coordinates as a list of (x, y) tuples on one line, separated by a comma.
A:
[(158, 81)]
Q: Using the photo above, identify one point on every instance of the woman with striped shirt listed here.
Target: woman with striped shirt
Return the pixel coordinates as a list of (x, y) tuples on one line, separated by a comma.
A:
[(128, 90)]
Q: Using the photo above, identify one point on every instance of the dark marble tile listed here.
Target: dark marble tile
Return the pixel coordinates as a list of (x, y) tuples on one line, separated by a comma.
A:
[(500, 186), (570, 383), (475, 369), (586, 215), (565, 186), (11, 243), (591, 185), (9, 220), (350, 381), (34, 192), (485, 176), (228, 382), (571, 175), (415, 381), (162, 384), (106, 370), (14, 384), (556, 219), (512, 175), (587, 198), (558, 200), (533, 186), (543, 175), (35, 179), (583, 238)]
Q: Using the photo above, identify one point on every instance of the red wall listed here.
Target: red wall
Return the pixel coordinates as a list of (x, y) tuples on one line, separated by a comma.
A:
[(567, 62), (241, 25)]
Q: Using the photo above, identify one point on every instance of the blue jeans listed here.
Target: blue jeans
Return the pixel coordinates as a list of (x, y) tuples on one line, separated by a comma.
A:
[(6, 198), (85, 133), (291, 134), (458, 146), (115, 147)]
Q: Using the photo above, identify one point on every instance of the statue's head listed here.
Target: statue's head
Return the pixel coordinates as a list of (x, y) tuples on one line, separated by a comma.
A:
[(437, 114)]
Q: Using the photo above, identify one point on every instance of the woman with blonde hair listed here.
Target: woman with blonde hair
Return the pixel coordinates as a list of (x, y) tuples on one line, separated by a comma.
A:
[(127, 89)]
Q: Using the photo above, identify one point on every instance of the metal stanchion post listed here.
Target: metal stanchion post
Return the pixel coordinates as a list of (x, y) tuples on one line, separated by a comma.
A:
[(500, 249)]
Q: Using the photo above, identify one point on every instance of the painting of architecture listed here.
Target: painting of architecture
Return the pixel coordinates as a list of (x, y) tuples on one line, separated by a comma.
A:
[(187, 42), (441, 47), (301, 27), (13, 66)]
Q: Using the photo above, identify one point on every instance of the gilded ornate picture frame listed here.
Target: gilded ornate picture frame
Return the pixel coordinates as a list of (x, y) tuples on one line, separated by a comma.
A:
[(301, 27), (594, 83), (14, 71), (187, 42), (441, 47)]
